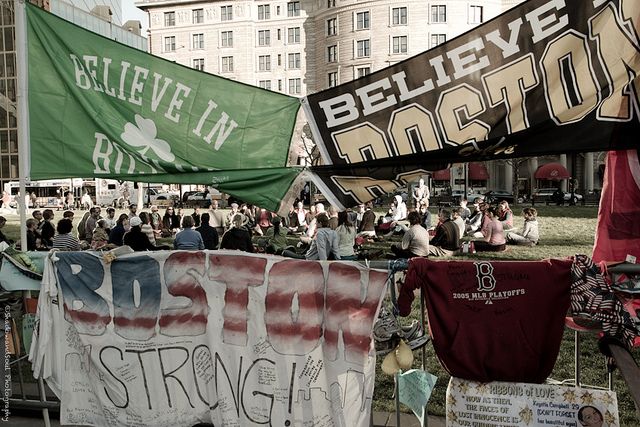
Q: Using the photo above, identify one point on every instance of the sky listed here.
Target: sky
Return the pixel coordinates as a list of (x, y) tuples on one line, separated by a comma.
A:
[(129, 11)]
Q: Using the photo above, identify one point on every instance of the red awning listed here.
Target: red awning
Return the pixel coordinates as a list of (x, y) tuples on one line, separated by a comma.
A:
[(552, 171), (478, 172), (441, 175)]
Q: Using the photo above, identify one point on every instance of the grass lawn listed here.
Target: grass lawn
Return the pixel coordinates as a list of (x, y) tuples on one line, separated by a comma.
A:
[(564, 231)]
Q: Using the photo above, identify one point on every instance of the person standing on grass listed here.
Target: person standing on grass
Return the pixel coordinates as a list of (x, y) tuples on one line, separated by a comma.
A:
[(420, 192), (216, 218), (530, 233), (493, 234)]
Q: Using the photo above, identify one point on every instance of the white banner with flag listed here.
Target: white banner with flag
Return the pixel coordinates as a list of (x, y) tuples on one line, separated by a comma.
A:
[(177, 338)]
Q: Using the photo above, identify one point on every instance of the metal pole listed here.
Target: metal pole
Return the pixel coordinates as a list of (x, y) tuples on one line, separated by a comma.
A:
[(576, 355), (22, 115)]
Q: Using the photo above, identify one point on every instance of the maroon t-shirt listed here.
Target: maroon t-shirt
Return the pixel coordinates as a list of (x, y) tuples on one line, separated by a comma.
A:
[(493, 321)]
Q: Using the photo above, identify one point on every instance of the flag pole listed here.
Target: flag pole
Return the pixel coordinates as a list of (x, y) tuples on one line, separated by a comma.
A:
[(22, 115)]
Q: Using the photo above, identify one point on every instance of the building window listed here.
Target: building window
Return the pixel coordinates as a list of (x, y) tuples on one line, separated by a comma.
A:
[(332, 53), (264, 63), (364, 48), (279, 32), (362, 20), (293, 8), (399, 16), (400, 44), (198, 64), (332, 26), (226, 38), (264, 12), (170, 44), (227, 64), (279, 60), (226, 13), (475, 15), (439, 13), (437, 39), (197, 16), (280, 85), (333, 79), (293, 35), (294, 61), (294, 87), (363, 71), (265, 84), (264, 37), (331, 3), (169, 19), (198, 41)]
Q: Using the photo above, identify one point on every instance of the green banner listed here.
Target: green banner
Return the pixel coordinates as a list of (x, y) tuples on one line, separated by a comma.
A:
[(100, 108)]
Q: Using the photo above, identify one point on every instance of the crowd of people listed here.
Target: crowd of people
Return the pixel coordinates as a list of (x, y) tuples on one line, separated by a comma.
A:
[(313, 233)]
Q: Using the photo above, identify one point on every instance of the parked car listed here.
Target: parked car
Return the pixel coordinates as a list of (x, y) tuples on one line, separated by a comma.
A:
[(198, 198), (456, 195), (495, 196), (547, 195)]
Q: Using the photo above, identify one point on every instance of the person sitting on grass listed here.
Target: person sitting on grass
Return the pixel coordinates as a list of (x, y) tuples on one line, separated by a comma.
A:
[(209, 234), (238, 237), (117, 233), (136, 239), (474, 222), (64, 240), (33, 241), (3, 238), (100, 236), (446, 240), (188, 238), (505, 215), (275, 238), (367, 227), (458, 220), (397, 212), (346, 237), (324, 245), (415, 242), (493, 234), (530, 233)]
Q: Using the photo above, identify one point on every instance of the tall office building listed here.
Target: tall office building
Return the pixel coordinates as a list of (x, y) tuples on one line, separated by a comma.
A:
[(303, 46), (101, 16)]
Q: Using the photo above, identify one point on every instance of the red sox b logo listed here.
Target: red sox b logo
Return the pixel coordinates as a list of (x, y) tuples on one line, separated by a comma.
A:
[(484, 275)]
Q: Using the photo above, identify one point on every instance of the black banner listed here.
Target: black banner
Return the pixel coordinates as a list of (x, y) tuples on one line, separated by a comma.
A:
[(547, 77)]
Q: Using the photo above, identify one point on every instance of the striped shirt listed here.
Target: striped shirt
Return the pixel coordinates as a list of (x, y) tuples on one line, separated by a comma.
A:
[(66, 242)]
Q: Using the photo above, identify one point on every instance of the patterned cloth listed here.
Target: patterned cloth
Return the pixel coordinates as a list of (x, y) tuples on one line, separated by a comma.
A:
[(593, 298)]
